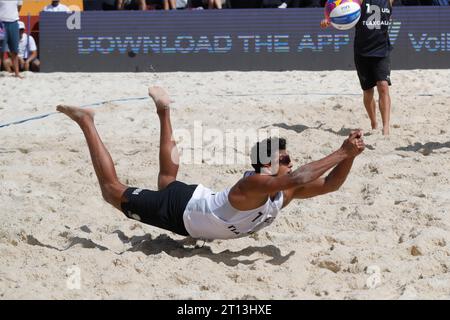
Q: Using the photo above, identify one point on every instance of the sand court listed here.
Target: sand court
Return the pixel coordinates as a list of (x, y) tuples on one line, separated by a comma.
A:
[(384, 235)]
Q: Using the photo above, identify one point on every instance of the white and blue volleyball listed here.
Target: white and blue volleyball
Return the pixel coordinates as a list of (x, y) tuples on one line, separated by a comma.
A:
[(343, 14)]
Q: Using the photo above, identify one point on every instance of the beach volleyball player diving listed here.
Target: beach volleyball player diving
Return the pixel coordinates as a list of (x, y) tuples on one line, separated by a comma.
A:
[(372, 49), (251, 204)]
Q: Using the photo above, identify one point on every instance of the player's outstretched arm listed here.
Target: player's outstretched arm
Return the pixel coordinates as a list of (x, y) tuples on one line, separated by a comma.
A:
[(303, 175), (333, 181)]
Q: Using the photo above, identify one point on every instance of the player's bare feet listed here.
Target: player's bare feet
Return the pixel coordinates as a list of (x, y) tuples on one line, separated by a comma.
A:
[(160, 97), (385, 131), (75, 113)]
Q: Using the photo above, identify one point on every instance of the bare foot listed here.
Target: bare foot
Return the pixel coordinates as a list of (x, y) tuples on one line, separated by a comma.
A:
[(374, 125), (385, 131), (160, 97), (75, 113)]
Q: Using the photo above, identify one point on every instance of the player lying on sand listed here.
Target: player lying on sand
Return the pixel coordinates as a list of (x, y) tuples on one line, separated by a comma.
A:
[(194, 210)]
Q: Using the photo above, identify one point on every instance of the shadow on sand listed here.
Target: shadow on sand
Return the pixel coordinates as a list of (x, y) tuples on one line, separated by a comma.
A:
[(299, 128), (178, 249), (426, 148)]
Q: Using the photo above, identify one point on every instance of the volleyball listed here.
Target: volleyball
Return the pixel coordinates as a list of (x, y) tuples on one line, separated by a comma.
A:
[(343, 14)]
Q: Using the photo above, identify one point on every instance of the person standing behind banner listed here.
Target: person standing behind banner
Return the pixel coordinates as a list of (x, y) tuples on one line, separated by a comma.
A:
[(372, 50), (56, 6), (9, 14)]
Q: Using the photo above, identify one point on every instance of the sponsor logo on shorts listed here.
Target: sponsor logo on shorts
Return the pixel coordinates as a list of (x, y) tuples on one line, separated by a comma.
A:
[(137, 191), (136, 217)]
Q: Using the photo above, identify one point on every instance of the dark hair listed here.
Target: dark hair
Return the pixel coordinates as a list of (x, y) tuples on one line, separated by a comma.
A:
[(264, 149)]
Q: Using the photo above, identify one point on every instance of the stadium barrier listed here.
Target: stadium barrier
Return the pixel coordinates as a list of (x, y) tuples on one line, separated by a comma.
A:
[(238, 39)]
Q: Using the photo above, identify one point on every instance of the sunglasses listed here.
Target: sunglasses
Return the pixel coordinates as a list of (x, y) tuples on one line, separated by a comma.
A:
[(285, 160)]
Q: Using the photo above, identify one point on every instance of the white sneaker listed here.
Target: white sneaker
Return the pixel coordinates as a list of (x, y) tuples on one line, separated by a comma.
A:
[(283, 6)]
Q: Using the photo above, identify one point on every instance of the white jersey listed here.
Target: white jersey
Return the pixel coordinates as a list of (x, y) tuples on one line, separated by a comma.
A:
[(209, 215)]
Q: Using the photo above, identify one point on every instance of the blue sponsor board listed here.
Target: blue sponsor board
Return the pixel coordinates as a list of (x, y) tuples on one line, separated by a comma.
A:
[(216, 40)]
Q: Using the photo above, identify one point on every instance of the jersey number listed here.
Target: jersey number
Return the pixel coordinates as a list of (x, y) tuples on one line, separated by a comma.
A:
[(259, 215), (375, 17)]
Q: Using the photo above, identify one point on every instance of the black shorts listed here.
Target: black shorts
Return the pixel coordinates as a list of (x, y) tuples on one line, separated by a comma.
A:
[(163, 209), (372, 69)]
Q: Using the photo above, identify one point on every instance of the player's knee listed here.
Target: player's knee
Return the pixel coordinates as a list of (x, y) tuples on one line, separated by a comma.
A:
[(383, 88), (165, 180), (112, 192), (107, 196)]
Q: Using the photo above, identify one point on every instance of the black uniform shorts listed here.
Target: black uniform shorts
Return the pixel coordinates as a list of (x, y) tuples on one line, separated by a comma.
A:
[(372, 69), (163, 209)]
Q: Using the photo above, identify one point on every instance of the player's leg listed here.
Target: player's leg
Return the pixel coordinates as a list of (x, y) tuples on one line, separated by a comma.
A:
[(112, 189), (385, 104), (365, 76), (168, 152), (370, 105), (383, 77)]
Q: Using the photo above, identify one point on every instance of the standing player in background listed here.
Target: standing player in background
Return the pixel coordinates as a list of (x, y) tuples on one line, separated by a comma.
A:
[(372, 57)]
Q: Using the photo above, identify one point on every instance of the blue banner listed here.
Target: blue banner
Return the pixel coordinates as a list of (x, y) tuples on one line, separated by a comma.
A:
[(217, 40)]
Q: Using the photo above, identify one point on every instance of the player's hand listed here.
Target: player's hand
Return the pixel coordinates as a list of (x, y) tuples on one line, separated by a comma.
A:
[(360, 141), (324, 23), (354, 144)]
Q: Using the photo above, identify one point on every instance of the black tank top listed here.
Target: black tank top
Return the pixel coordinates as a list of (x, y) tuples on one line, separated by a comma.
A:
[(371, 34)]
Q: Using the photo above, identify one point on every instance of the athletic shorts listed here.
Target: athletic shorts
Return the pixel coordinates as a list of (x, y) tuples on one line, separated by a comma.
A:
[(163, 209), (372, 69), (11, 39)]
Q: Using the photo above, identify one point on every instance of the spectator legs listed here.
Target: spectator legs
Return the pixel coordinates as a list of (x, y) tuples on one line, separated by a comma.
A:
[(35, 65), (142, 5), (12, 64), (214, 4), (170, 4)]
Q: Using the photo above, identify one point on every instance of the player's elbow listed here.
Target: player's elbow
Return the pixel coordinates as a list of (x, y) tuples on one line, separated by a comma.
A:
[(332, 186)]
